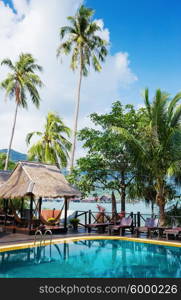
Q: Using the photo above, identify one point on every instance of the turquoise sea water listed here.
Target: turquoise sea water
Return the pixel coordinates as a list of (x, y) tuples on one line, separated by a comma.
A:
[(82, 206), (93, 259)]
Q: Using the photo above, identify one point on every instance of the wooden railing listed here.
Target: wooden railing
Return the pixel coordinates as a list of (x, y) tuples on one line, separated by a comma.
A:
[(89, 217)]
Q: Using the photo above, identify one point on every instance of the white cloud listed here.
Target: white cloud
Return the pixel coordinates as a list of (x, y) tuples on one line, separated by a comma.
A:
[(104, 33), (35, 29)]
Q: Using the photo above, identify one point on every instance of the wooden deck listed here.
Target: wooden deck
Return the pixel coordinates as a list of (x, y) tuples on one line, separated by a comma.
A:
[(9, 238)]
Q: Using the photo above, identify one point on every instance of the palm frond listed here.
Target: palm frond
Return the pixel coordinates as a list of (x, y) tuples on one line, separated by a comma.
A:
[(172, 105), (135, 145), (65, 30), (35, 97), (8, 62), (31, 134), (176, 118), (147, 102), (82, 34)]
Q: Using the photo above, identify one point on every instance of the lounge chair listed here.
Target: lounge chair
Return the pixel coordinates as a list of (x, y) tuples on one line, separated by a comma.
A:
[(2, 218), (101, 221), (100, 226), (125, 223), (151, 225), (176, 231)]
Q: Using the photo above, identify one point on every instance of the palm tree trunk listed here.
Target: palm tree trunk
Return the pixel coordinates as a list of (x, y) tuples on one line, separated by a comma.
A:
[(160, 200), (72, 157), (11, 139), (162, 214), (114, 209), (152, 207)]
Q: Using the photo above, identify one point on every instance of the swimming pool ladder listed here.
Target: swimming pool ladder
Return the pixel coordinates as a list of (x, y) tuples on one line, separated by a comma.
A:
[(43, 236), (36, 234), (51, 236), (38, 250)]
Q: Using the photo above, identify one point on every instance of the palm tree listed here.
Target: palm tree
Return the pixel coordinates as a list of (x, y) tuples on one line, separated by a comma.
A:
[(19, 81), (159, 149), (87, 49), (52, 147)]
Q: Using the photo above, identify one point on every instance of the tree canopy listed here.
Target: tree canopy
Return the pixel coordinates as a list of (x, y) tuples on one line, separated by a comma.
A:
[(108, 163), (11, 164), (53, 145), (159, 147)]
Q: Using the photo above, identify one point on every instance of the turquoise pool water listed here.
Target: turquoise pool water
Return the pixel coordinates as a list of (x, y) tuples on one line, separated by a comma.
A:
[(94, 258)]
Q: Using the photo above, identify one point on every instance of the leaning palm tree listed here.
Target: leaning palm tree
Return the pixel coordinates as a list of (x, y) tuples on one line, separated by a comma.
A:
[(53, 146), (159, 149), (19, 81), (87, 48)]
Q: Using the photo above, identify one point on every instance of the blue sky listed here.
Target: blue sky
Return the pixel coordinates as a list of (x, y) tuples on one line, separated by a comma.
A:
[(148, 30)]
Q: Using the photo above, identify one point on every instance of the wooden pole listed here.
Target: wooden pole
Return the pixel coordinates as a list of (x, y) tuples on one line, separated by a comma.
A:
[(132, 227), (5, 210), (4, 205), (39, 207), (31, 211), (89, 229), (138, 219), (22, 207), (65, 216)]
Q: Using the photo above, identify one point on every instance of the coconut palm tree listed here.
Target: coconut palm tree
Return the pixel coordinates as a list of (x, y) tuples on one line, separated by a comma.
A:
[(52, 147), (159, 149), (21, 80), (87, 48)]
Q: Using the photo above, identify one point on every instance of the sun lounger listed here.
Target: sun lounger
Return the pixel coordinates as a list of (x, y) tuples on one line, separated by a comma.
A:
[(151, 225), (101, 221), (125, 223), (176, 231), (100, 226)]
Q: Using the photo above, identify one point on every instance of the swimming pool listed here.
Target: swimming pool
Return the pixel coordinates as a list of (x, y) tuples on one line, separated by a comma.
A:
[(93, 259)]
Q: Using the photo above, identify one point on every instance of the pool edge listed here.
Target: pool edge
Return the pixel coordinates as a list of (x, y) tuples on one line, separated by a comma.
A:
[(95, 237)]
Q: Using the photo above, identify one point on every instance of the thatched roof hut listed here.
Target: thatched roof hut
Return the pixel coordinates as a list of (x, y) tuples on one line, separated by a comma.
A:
[(38, 180), (4, 176)]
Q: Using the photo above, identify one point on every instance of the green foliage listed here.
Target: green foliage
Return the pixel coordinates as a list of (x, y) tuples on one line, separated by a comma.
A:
[(82, 40), (53, 146), (74, 221), (17, 203), (175, 211), (108, 163), (11, 164), (22, 79), (20, 82), (158, 149)]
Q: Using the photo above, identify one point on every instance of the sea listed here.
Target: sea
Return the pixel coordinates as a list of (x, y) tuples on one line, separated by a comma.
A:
[(85, 206)]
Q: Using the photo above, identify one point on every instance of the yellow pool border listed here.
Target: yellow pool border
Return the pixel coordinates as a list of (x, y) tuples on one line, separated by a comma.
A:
[(26, 245)]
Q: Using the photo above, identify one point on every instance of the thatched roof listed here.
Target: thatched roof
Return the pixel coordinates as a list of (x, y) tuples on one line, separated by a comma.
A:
[(38, 179), (4, 176)]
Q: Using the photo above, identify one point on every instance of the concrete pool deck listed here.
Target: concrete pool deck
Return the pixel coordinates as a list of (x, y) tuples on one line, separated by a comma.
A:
[(16, 241)]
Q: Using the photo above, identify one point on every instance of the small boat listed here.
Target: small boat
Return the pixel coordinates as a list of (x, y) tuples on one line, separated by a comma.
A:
[(59, 200)]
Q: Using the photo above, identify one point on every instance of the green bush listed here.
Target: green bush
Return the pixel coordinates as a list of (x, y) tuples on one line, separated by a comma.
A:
[(74, 221), (175, 211)]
